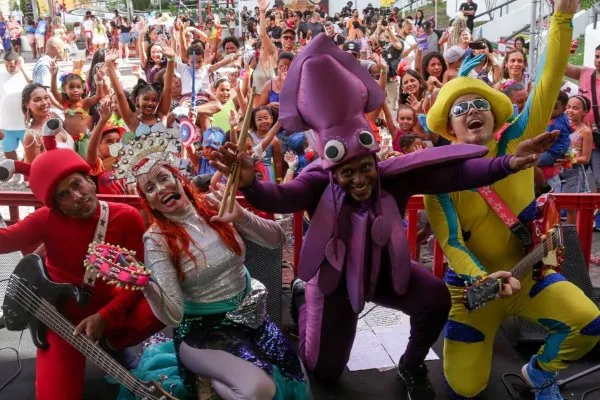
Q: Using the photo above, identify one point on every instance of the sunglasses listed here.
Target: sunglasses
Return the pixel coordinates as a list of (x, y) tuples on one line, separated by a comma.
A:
[(287, 37), (463, 107)]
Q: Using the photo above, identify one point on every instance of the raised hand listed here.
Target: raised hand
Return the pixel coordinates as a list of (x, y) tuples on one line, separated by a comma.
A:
[(291, 159), (168, 51), (105, 110), (111, 56), (528, 151), (53, 68), (263, 5), (223, 159), (233, 118), (215, 198)]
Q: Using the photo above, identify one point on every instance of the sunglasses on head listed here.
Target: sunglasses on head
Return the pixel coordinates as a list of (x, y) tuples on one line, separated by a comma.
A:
[(462, 107)]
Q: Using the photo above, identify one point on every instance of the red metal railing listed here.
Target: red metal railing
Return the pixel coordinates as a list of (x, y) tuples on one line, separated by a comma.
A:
[(585, 204)]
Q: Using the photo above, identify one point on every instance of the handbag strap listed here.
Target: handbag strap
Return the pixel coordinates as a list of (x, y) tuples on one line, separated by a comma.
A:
[(89, 278), (505, 214), (594, 98)]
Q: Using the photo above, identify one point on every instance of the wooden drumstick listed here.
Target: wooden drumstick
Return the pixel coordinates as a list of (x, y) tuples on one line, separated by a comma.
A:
[(234, 174)]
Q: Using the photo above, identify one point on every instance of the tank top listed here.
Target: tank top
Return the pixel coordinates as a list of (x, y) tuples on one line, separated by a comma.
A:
[(221, 118), (577, 141)]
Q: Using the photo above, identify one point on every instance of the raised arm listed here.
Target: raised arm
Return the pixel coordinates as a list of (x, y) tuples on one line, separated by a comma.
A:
[(53, 81), (105, 111), (538, 109), (126, 113), (165, 99), (446, 228), (267, 43)]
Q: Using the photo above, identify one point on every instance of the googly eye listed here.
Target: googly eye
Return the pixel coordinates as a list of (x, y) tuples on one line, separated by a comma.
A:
[(367, 140), (334, 150)]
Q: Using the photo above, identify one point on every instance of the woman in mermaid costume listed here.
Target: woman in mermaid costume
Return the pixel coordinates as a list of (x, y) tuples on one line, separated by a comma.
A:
[(223, 339)]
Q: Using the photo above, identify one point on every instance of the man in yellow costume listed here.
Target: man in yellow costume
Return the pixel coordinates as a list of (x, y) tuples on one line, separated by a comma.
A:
[(479, 245)]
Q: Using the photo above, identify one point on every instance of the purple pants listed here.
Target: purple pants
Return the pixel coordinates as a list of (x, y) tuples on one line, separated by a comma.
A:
[(328, 323)]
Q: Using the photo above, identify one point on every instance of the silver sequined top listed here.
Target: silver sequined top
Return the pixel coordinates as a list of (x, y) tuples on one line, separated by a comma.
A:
[(217, 274)]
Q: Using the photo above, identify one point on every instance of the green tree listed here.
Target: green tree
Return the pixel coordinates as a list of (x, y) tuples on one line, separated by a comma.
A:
[(141, 4)]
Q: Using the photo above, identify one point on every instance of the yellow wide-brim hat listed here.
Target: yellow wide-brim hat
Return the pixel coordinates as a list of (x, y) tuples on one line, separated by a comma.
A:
[(439, 115)]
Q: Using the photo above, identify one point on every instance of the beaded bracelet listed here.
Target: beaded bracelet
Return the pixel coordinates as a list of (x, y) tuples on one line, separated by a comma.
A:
[(109, 262)]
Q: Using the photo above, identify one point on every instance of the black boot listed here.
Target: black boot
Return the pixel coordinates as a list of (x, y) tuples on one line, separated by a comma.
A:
[(417, 383), (298, 287)]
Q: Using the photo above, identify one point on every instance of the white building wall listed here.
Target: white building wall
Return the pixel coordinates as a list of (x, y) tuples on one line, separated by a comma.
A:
[(592, 40)]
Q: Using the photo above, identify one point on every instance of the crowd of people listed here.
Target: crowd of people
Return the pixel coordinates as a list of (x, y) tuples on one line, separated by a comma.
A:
[(349, 115)]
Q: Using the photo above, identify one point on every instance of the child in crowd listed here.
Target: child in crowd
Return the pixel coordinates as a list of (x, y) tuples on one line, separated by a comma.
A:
[(104, 146), (559, 148), (575, 178), (78, 121), (152, 102)]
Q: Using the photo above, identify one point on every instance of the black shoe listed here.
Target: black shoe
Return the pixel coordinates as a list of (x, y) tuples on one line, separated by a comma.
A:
[(417, 383), (298, 287)]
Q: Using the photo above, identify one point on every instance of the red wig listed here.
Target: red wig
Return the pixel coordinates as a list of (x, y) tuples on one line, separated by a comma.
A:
[(177, 238)]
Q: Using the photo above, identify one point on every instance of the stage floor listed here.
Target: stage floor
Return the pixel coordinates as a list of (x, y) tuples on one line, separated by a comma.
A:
[(362, 385)]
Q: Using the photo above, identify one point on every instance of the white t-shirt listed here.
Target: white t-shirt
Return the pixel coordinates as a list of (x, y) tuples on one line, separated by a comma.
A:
[(408, 42), (11, 87), (202, 77), (88, 25)]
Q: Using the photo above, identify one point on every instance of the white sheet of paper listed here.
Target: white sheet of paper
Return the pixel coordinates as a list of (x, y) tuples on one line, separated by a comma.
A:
[(368, 353), (381, 338)]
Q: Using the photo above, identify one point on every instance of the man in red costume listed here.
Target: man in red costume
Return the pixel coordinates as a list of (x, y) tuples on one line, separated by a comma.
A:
[(66, 225)]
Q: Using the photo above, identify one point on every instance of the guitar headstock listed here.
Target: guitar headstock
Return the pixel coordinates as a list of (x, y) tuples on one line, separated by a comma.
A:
[(477, 295)]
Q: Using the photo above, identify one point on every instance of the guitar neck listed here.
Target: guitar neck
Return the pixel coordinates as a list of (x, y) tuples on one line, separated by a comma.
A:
[(59, 324), (524, 267)]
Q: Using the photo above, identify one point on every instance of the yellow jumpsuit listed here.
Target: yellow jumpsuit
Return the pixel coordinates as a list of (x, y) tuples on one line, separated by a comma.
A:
[(477, 243)]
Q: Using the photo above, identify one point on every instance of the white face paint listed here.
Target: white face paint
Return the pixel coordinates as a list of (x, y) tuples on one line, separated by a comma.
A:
[(159, 186)]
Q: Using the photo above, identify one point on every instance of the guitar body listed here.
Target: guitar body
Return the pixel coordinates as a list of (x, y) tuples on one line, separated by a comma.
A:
[(548, 218), (31, 298), (32, 273), (546, 251)]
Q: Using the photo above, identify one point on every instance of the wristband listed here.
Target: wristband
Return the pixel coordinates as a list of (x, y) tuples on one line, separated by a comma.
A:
[(99, 81), (171, 59)]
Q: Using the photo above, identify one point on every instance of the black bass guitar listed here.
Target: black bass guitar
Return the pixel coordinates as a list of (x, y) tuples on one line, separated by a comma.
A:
[(30, 303)]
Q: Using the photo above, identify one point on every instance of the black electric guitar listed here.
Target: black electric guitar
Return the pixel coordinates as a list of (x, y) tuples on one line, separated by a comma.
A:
[(547, 249), (30, 302)]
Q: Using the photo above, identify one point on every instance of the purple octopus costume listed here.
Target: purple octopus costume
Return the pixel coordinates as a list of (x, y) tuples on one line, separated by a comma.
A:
[(356, 252)]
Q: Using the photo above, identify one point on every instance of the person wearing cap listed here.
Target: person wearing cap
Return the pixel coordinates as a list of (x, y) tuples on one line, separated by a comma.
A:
[(356, 249), (454, 58), (469, 111), (103, 149), (353, 47), (66, 224)]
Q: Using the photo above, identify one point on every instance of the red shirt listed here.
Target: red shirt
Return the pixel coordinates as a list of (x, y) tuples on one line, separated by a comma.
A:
[(66, 240)]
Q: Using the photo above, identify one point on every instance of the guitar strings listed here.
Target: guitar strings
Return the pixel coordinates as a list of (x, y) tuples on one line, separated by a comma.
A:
[(17, 352), (47, 311), (65, 325)]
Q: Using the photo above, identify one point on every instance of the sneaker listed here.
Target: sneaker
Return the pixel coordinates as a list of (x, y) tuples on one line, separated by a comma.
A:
[(542, 382), (416, 380), (298, 287)]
